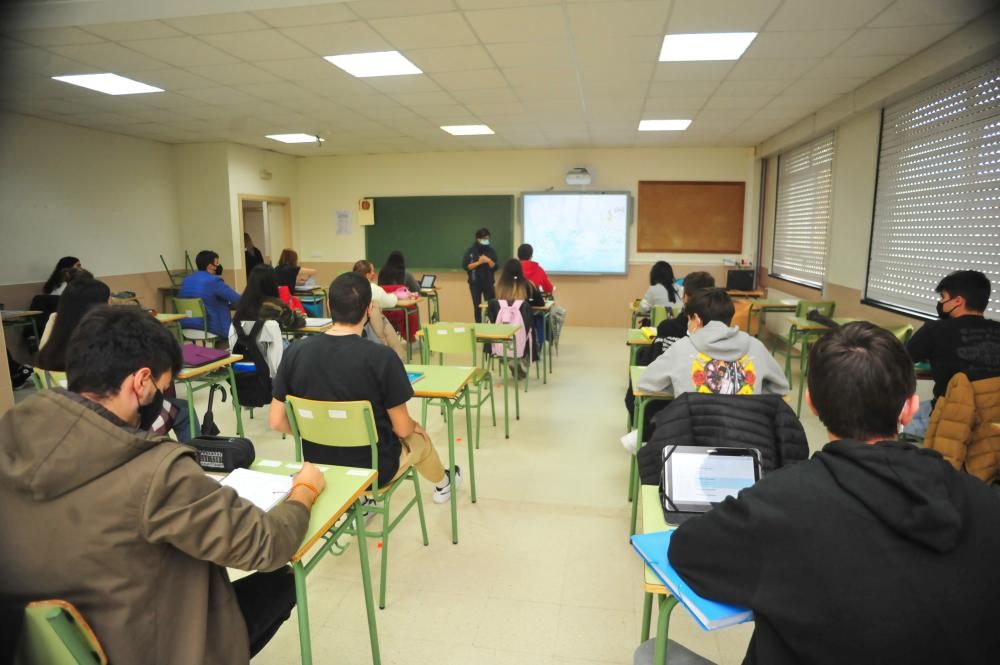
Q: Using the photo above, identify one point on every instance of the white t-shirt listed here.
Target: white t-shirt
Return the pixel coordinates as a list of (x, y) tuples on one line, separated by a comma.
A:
[(382, 298), (657, 295)]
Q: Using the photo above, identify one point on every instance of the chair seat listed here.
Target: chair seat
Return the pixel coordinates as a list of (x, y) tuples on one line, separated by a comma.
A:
[(190, 333), (677, 654), (384, 489), (479, 375)]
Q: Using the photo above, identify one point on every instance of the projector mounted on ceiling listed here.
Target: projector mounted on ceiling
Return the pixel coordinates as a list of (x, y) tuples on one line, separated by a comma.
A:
[(578, 176)]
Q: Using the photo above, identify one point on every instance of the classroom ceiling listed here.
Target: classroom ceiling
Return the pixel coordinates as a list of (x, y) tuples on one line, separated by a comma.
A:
[(540, 73)]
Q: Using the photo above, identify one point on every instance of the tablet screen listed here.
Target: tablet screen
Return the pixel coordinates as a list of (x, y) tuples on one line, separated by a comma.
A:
[(700, 477), (427, 281)]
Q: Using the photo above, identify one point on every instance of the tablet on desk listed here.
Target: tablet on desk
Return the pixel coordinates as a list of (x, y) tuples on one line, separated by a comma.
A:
[(695, 478), (427, 281)]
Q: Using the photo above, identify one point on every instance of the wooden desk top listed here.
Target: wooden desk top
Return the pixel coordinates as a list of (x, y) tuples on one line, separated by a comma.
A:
[(496, 331), (782, 305), (636, 338), (756, 293), (652, 522), (344, 485), (803, 324), (635, 372), (169, 318), (445, 381), (188, 373), (313, 330), (15, 314), (403, 303)]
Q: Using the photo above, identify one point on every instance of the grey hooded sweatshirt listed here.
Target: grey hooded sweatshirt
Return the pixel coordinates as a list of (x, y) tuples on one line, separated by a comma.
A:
[(716, 359)]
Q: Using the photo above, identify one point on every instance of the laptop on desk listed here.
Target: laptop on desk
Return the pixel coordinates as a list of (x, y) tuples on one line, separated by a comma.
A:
[(696, 478), (427, 282)]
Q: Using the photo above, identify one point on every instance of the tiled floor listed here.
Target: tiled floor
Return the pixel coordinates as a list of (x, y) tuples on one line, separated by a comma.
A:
[(543, 573)]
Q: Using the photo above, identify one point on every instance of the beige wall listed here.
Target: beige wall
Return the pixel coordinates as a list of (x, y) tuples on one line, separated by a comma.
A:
[(204, 218), (105, 198)]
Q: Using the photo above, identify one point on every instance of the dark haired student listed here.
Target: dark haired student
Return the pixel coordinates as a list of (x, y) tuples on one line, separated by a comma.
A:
[(206, 283), (480, 263), (341, 366), (964, 340), (872, 551), (125, 525)]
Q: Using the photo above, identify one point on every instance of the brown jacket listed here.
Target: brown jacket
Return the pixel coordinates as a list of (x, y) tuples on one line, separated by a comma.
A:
[(128, 528), (963, 426)]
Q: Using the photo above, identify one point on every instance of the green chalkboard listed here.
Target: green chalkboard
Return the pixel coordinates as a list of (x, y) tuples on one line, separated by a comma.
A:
[(434, 231)]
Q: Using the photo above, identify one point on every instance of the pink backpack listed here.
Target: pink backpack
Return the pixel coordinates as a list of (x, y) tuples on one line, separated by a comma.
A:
[(511, 313)]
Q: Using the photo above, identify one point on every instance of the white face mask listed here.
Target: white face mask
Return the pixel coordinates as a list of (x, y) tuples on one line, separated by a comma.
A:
[(484, 241)]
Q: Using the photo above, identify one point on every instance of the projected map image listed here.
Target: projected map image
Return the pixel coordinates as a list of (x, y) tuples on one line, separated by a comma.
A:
[(581, 233)]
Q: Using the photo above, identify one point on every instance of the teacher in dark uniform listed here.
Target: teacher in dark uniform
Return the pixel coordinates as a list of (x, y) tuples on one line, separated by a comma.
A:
[(480, 263)]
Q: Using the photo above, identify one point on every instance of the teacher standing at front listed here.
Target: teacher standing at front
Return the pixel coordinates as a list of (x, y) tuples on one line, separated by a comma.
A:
[(480, 263)]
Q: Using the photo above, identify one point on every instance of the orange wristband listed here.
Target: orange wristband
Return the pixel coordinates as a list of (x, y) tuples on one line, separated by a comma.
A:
[(308, 486)]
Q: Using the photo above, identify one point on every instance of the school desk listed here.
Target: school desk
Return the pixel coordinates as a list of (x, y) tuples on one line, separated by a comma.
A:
[(314, 296), (634, 341), (545, 352), (653, 522), (642, 400), (172, 322), (206, 376), (344, 486), (433, 308), (449, 384), (21, 317), (407, 306)]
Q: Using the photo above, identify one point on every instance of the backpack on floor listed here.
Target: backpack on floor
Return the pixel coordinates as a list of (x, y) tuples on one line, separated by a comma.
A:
[(511, 313)]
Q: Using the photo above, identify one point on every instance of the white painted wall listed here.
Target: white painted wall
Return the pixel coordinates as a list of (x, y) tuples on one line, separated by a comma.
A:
[(106, 198), (244, 166), (202, 189), (326, 184)]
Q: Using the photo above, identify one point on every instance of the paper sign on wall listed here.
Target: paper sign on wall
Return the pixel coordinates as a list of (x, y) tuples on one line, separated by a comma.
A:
[(344, 226), (366, 212)]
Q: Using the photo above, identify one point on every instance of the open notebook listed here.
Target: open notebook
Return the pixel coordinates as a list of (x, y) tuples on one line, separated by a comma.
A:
[(264, 490), (317, 322)]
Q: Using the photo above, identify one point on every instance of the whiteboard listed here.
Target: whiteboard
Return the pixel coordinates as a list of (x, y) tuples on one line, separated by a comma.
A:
[(582, 233)]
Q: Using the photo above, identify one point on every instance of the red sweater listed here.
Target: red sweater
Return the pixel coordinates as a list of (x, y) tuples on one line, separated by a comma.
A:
[(536, 275)]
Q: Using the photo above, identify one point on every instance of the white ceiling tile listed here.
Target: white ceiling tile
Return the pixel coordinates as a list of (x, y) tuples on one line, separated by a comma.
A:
[(109, 57), (492, 96), (809, 86), (369, 9), (604, 72), (892, 41), (723, 102), (733, 87), (555, 54), (428, 31), (338, 85), (414, 99), (722, 116), (929, 12), (566, 90), (619, 52), (209, 24), (864, 67), (825, 15), (289, 17), (120, 32), (602, 105), (624, 88), (55, 37), (471, 80), (389, 111), (221, 95), (493, 109), (300, 69), (764, 70), (692, 71), (683, 88), (643, 17), (181, 51), (787, 116), (277, 91), (157, 115), (237, 73), (177, 79), (338, 38), (258, 45), (540, 75), (404, 84), (719, 15), (522, 24), (665, 107), (449, 58), (35, 62), (805, 103), (442, 114), (798, 44)]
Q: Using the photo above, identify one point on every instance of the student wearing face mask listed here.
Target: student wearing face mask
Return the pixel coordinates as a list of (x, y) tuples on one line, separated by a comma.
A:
[(963, 340), (125, 524), (206, 283), (480, 262)]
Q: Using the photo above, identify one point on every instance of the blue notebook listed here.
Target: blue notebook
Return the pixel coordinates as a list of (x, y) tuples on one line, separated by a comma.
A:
[(414, 376), (652, 547)]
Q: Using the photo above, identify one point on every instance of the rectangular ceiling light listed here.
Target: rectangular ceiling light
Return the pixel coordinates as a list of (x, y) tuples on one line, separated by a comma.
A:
[(109, 84), (295, 138), (705, 46), (663, 125), (467, 130), (379, 63)]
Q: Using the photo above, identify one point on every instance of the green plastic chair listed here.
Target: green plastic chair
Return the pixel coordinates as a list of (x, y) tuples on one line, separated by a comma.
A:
[(659, 313), (804, 307), (903, 332), (352, 425), (45, 378), (194, 308), (177, 276), (55, 633), (454, 338)]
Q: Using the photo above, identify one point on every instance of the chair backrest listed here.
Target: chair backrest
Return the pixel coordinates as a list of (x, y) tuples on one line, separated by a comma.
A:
[(192, 308), (46, 378), (55, 633), (741, 318), (336, 424), (824, 307), (903, 333), (659, 313), (449, 338)]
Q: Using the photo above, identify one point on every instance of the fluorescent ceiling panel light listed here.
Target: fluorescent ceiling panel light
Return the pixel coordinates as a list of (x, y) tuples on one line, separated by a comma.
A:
[(379, 63), (705, 46), (663, 125), (466, 130), (109, 84), (295, 138)]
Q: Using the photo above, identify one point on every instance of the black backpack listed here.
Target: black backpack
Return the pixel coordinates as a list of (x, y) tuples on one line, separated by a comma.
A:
[(254, 387)]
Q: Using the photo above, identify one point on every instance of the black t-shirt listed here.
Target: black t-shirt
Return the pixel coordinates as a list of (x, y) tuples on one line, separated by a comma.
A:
[(341, 369), (483, 273), (286, 276), (968, 344)]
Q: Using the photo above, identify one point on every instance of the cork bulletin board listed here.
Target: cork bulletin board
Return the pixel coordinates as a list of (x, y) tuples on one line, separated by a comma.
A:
[(677, 216)]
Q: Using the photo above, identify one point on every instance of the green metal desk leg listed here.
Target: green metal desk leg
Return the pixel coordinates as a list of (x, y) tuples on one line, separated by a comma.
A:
[(517, 397), (450, 405), (302, 610), (366, 581), (236, 400), (647, 612), (803, 372), (468, 439), (640, 414), (506, 407), (667, 605), (192, 418)]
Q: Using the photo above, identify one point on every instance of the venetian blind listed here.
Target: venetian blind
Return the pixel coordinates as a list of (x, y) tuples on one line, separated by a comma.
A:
[(937, 203), (802, 213)]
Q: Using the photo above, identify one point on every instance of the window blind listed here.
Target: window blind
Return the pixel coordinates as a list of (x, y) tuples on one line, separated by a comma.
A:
[(937, 202), (802, 212)]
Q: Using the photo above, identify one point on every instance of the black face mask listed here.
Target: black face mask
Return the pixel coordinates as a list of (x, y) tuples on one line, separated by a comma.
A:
[(218, 270), (149, 412), (940, 310)]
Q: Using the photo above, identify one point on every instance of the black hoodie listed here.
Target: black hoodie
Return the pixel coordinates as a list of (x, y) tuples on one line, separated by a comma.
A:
[(864, 554)]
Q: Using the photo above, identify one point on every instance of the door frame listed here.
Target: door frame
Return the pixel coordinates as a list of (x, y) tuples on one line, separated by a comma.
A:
[(286, 222)]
